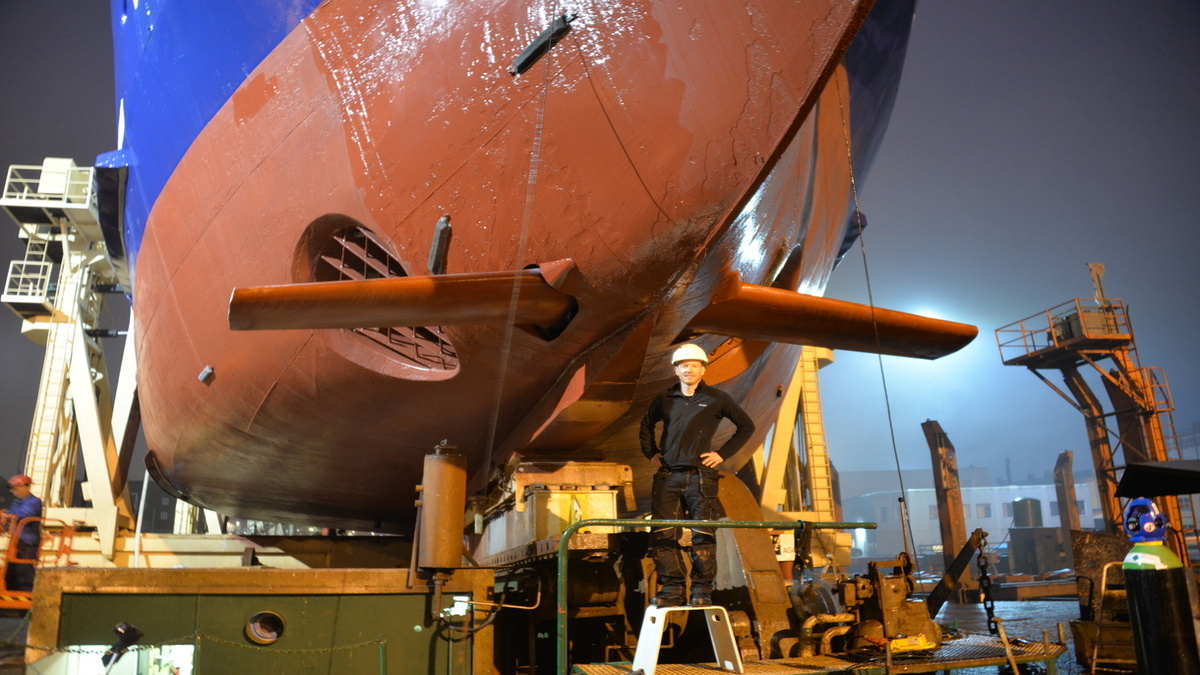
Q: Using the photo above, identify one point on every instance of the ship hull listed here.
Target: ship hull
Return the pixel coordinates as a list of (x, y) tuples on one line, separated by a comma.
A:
[(658, 149)]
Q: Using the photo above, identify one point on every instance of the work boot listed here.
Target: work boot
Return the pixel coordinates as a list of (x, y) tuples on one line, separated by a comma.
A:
[(700, 598)]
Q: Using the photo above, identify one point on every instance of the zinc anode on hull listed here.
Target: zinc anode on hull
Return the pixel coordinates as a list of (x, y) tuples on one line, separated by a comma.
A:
[(629, 150)]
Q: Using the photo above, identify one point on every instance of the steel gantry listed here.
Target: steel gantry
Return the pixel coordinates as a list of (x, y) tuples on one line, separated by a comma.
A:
[(1085, 335), (59, 289)]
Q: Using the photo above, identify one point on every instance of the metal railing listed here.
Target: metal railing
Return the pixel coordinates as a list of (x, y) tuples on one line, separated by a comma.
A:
[(1074, 319), (49, 186), (563, 547), (29, 281)]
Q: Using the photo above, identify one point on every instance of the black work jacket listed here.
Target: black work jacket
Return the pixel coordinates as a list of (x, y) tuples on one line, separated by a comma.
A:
[(689, 423)]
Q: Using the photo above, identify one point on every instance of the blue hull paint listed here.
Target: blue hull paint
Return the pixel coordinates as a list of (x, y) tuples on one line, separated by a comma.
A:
[(176, 64)]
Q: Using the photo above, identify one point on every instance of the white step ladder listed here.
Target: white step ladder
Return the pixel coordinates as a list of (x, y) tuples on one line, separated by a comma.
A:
[(645, 658)]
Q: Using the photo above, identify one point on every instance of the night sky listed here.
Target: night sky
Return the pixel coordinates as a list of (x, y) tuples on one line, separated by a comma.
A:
[(1029, 138), (56, 88)]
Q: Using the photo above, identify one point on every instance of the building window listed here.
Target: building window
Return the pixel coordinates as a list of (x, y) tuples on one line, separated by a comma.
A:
[(933, 512), (1006, 509), (1053, 509), (983, 510)]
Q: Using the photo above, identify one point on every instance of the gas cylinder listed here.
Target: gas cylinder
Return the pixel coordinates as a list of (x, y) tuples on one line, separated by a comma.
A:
[(1160, 607)]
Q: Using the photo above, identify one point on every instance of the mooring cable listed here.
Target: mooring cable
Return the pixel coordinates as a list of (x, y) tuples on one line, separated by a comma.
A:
[(862, 247)]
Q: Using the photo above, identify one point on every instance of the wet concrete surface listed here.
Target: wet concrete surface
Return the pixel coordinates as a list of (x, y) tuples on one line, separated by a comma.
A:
[(1026, 619)]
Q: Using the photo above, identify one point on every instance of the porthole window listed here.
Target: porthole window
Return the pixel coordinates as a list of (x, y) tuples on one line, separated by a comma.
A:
[(264, 628)]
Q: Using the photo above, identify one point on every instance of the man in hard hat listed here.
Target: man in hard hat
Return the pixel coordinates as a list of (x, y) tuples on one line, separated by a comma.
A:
[(685, 484), (19, 576)]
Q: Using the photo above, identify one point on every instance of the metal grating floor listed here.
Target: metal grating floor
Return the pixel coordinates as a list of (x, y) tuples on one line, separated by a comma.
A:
[(969, 650)]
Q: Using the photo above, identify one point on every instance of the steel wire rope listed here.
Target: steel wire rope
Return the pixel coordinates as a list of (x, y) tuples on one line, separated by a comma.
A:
[(379, 641), (862, 247), (587, 75), (101, 649), (522, 245), (195, 639)]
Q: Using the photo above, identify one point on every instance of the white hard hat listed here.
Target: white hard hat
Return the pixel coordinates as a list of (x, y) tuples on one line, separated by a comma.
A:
[(689, 352)]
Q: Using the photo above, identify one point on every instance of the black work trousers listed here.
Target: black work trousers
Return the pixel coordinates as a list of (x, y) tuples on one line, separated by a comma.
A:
[(19, 576), (683, 495)]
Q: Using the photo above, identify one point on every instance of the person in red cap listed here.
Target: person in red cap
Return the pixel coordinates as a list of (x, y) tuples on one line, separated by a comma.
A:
[(19, 576)]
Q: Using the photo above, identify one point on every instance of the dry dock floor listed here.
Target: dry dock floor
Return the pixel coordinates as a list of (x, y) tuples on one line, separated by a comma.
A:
[(1026, 620), (1024, 623)]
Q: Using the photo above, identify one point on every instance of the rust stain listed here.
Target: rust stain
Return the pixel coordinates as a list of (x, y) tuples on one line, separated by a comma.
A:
[(253, 96)]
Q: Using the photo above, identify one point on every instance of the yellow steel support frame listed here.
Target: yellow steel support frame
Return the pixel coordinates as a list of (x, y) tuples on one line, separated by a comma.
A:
[(796, 475), (818, 476)]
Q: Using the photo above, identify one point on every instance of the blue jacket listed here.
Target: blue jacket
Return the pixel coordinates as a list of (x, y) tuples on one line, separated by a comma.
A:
[(25, 508)]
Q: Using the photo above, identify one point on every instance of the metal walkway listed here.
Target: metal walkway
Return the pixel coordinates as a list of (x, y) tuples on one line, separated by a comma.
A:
[(968, 651)]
